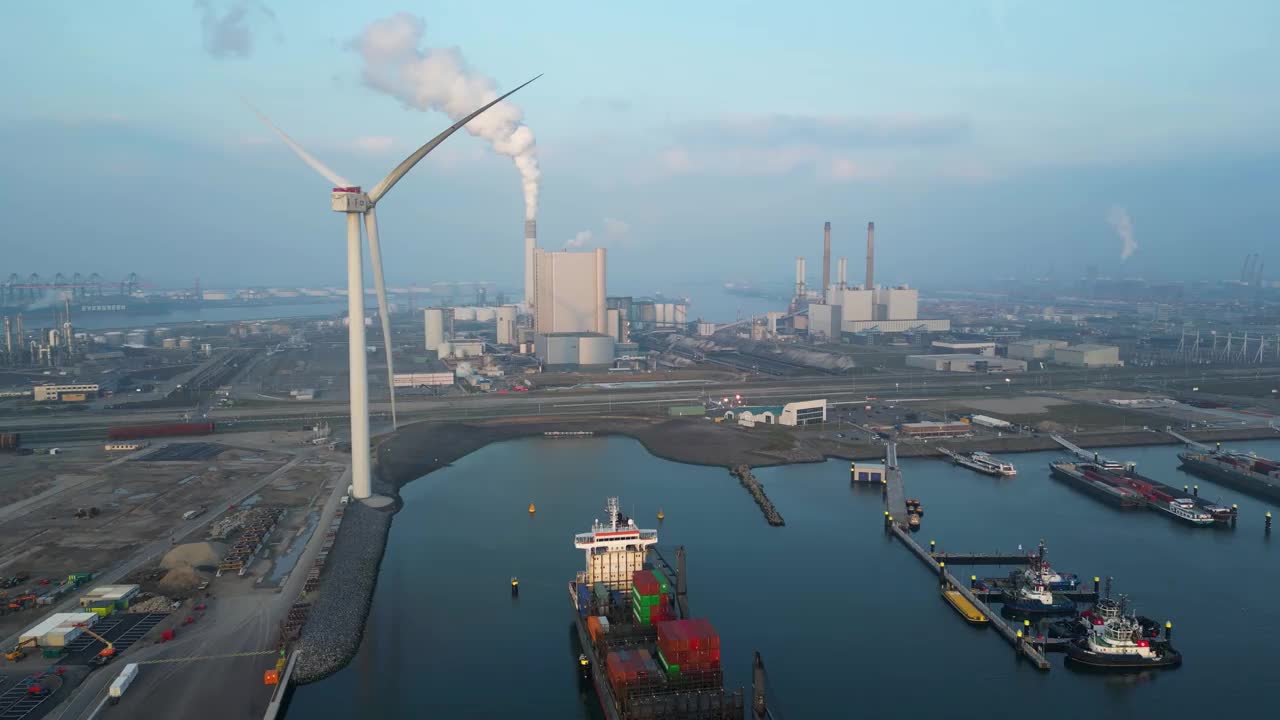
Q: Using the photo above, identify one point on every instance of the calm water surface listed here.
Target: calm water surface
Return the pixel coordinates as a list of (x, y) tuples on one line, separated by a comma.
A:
[(849, 622)]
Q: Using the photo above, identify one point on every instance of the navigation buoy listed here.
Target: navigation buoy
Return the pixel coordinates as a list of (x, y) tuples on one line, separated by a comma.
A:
[(532, 509), (661, 514), (515, 585)]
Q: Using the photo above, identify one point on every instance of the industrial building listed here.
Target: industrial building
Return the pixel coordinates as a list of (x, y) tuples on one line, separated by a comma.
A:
[(804, 412), (106, 599), (67, 393), (421, 380), (570, 288), (574, 350), (1088, 356), (434, 321), (461, 348), (975, 348), (58, 630), (965, 362), (1034, 348), (505, 317), (935, 429)]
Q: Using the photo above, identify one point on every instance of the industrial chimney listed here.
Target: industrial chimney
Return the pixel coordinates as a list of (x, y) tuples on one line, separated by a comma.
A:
[(842, 273), (826, 260), (799, 279), (530, 243), (871, 256)]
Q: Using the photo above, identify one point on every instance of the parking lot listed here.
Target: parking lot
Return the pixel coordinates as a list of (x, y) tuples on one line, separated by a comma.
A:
[(177, 452)]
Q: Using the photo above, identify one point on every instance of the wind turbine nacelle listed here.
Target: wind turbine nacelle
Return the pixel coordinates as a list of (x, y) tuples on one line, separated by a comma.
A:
[(349, 200)]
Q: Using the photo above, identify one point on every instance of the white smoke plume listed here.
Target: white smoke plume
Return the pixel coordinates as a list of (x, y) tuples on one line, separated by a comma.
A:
[(440, 79), (582, 239), (1119, 220), (54, 298)]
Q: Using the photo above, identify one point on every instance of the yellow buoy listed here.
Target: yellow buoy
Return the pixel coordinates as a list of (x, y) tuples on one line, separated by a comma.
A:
[(661, 515), (532, 509)]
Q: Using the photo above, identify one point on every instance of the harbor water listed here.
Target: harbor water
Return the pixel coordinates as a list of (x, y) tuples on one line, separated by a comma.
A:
[(849, 623)]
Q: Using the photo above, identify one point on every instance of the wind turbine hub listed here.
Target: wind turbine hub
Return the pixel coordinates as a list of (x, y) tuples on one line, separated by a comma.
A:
[(350, 200)]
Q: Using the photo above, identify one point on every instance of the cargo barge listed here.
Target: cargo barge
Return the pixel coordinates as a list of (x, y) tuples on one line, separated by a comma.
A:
[(1096, 481), (641, 651), (1182, 505), (1250, 474)]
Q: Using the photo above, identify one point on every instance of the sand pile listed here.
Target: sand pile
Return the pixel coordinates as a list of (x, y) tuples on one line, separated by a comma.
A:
[(192, 555), (180, 580)]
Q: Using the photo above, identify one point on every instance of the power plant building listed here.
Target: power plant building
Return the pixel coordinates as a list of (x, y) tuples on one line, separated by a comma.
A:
[(574, 350), (570, 292), (506, 319), (434, 324), (966, 363)]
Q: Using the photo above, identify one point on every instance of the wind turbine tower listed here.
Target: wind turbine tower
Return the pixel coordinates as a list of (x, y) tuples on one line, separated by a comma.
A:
[(351, 200)]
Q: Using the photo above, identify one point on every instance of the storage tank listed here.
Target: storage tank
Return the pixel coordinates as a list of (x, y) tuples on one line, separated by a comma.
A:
[(184, 343), (169, 343), (506, 319), (137, 337), (115, 337), (434, 326)]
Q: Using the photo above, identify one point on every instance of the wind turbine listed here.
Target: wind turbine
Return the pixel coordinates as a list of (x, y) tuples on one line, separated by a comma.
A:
[(349, 199)]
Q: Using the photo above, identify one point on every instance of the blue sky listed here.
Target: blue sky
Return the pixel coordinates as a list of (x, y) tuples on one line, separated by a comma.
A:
[(698, 141)]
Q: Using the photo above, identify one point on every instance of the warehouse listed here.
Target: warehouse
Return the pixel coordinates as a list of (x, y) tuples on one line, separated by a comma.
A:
[(108, 598), (965, 362), (461, 348), (1088, 356), (946, 347), (1034, 349), (58, 629), (574, 350)]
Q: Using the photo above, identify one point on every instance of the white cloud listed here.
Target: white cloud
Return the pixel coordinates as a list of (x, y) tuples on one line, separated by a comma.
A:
[(374, 144)]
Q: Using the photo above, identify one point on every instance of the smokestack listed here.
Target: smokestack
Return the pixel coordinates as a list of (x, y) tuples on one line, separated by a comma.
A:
[(8, 339), (826, 260), (530, 244), (602, 311), (871, 255), (799, 278), (842, 273)]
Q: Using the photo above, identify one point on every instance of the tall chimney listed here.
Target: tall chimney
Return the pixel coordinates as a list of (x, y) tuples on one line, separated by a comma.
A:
[(799, 278), (826, 260), (842, 273), (871, 256), (530, 243)]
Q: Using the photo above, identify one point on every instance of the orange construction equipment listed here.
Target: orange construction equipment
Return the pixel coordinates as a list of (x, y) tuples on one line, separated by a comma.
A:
[(18, 651), (271, 677), (107, 652)]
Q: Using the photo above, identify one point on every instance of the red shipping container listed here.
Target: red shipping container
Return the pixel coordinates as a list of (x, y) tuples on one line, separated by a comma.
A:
[(645, 583)]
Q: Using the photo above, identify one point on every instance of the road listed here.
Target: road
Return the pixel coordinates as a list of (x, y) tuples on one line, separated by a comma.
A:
[(241, 620)]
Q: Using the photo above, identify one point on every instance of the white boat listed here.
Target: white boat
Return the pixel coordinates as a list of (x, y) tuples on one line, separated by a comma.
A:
[(1185, 509), (1116, 641), (982, 462)]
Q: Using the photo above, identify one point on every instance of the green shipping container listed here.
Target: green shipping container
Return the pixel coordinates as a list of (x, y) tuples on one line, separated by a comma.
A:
[(641, 620), (664, 585), (686, 411), (672, 670), (644, 600), (52, 652)]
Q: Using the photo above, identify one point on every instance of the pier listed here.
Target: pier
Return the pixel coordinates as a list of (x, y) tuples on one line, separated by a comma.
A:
[(1021, 558), (1085, 454), (753, 486), (896, 508), (1197, 446), (1021, 645)]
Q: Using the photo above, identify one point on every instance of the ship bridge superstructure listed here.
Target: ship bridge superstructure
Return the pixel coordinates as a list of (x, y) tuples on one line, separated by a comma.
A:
[(614, 548)]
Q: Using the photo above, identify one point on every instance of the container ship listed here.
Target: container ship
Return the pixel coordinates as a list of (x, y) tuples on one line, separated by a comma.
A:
[(643, 653), (1247, 473), (979, 461)]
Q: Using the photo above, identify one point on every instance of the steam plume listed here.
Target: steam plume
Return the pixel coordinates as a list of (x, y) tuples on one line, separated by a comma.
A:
[(580, 240), (440, 79), (1119, 220)]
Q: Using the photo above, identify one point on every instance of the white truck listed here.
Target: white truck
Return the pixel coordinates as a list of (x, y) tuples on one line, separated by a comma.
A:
[(122, 683), (192, 514)]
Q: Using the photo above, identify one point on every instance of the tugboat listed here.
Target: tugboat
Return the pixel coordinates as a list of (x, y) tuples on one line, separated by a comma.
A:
[(1120, 642), (1053, 579), (1032, 595)]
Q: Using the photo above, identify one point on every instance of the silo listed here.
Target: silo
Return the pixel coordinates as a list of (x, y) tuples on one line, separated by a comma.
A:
[(434, 322), (506, 318)]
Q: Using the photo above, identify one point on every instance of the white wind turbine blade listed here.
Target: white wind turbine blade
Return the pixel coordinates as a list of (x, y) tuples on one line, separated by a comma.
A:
[(389, 181), (380, 287), (308, 158)]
